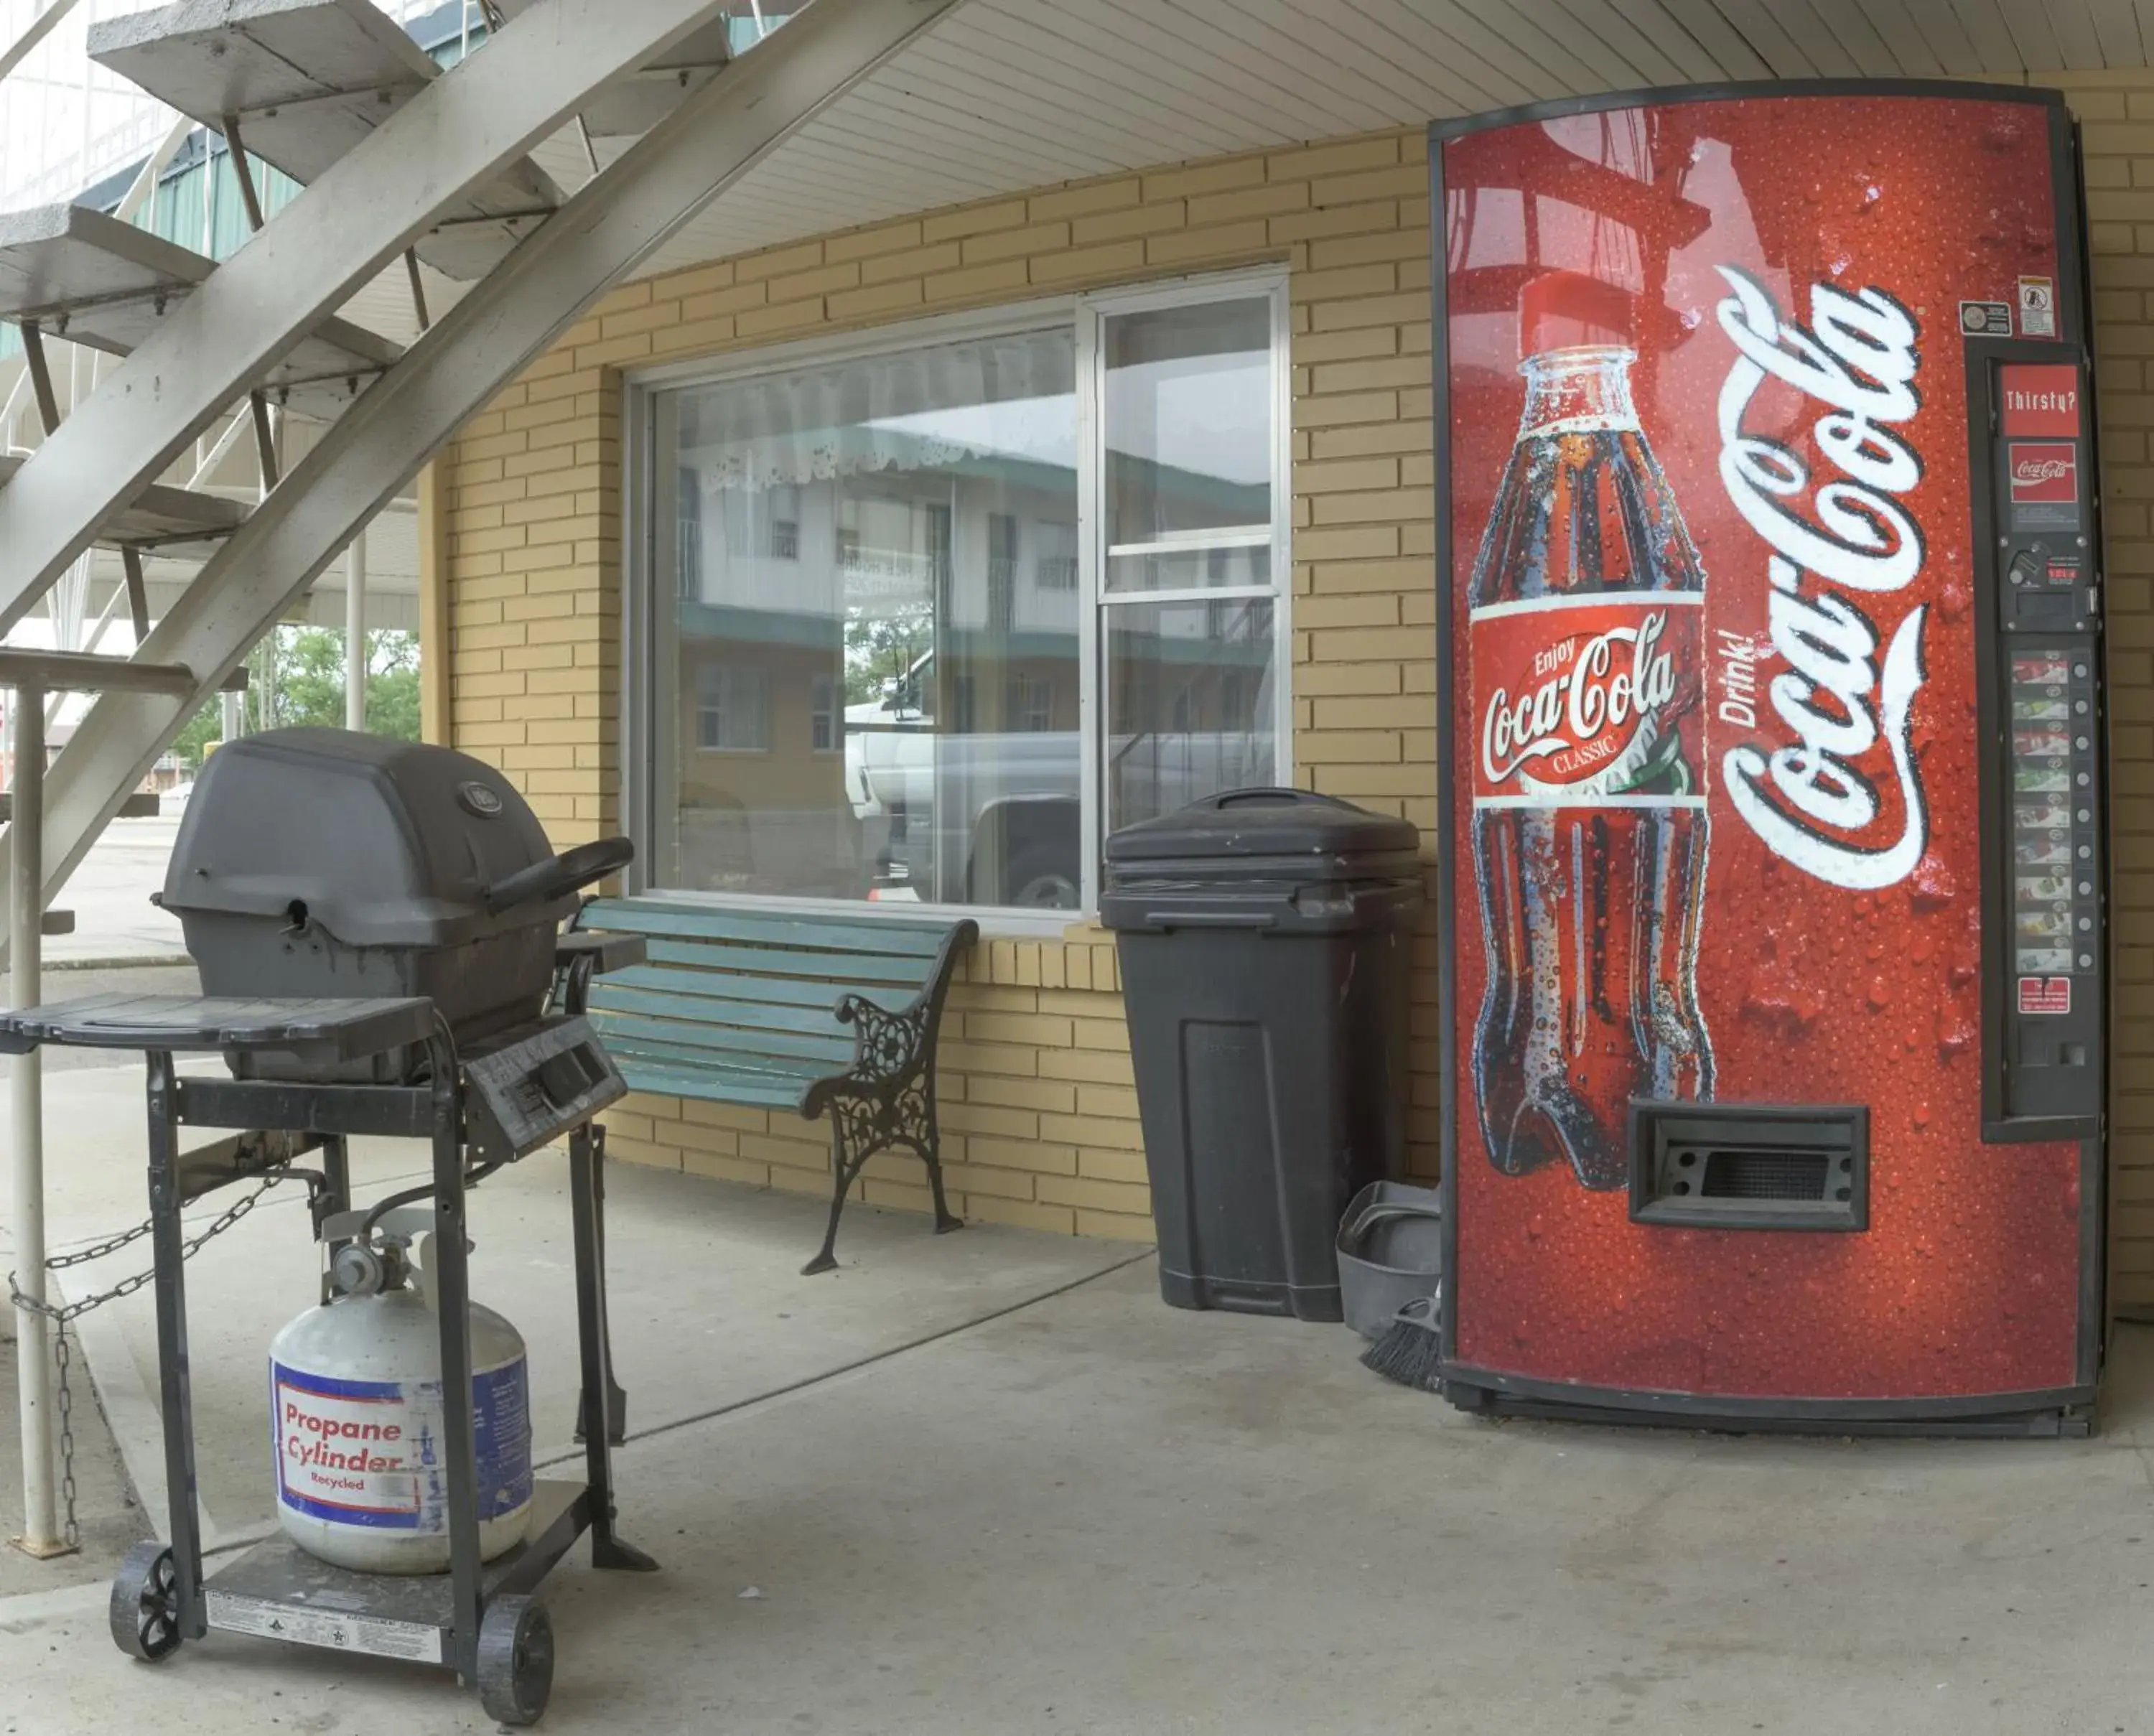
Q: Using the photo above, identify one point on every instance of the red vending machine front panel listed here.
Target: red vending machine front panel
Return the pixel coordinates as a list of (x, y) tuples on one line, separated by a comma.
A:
[(1723, 682)]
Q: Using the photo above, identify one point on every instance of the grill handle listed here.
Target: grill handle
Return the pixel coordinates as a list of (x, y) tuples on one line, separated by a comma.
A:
[(558, 876)]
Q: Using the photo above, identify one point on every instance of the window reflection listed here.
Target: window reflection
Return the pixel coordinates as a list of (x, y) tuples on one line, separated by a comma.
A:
[(874, 641), (1190, 704)]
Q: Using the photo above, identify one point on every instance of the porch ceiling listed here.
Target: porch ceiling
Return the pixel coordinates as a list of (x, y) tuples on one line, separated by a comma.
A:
[(1007, 95)]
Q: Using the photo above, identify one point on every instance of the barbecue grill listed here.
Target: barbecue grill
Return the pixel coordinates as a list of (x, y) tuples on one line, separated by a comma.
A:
[(324, 863)]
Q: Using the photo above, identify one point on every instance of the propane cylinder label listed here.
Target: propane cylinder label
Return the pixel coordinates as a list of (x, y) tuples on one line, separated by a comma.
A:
[(369, 1452)]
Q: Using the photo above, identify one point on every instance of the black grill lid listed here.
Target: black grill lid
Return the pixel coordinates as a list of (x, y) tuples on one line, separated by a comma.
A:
[(383, 843)]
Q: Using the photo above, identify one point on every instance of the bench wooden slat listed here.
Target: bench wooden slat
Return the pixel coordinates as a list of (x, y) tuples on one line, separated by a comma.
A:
[(800, 1070), (742, 1009), (877, 938), (752, 987), (723, 1040), (663, 1079), (843, 970)]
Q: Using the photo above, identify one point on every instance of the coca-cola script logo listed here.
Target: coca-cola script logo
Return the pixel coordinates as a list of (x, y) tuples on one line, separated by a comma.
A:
[(2044, 471), (1586, 690), (1810, 799)]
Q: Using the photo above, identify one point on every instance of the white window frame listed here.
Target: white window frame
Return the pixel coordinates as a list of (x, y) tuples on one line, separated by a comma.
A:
[(1096, 599), (644, 760)]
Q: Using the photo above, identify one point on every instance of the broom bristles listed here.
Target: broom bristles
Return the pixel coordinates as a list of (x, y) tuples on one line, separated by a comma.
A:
[(1410, 1352)]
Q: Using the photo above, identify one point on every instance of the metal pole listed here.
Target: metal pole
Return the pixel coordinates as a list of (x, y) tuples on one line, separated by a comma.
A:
[(41, 27), (355, 633), (144, 184), (25, 913)]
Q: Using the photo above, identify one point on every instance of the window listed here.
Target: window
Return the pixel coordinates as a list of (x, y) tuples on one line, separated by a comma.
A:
[(690, 536), (1189, 618), (823, 713), (763, 524), (733, 708), (1002, 571), (955, 602), (1032, 704), (1056, 569)]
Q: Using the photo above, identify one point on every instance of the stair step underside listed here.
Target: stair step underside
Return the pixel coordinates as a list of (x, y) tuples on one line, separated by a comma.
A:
[(92, 279), (181, 522), (632, 107), (308, 80)]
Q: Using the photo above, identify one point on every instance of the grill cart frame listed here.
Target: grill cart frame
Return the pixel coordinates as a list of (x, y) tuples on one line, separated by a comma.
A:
[(481, 1619)]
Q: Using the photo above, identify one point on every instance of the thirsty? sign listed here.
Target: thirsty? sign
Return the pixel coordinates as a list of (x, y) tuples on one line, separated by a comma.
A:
[(2040, 398)]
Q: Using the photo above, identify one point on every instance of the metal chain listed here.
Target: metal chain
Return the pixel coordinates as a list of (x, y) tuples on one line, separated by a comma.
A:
[(61, 1318), (65, 1358), (140, 1280), (59, 1263)]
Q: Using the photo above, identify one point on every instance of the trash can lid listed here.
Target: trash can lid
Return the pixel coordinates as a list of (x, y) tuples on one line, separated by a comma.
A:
[(1248, 823)]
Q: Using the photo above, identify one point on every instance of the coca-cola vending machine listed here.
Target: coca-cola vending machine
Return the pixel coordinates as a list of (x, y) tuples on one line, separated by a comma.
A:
[(1772, 877)]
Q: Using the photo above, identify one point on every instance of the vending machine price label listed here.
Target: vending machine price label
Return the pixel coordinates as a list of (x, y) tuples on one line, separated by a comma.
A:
[(2045, 994)]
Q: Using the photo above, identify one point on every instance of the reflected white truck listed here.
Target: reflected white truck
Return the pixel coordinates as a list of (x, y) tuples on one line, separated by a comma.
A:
[(994, 817)]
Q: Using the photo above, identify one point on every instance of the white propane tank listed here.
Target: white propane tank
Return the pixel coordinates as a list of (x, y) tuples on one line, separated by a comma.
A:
[(355, 1389)]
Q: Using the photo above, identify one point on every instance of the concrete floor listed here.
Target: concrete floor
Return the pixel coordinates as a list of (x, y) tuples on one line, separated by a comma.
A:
[(987, 1482)]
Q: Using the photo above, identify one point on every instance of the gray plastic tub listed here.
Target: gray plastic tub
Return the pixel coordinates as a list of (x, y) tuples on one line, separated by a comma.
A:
[(1390, 1253)]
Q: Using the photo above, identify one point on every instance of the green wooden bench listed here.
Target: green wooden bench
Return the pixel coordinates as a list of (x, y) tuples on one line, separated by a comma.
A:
[(734, 1006)]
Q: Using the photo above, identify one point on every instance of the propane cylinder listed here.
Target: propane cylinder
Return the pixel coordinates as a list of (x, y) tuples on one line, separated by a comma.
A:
[(356, 1392)]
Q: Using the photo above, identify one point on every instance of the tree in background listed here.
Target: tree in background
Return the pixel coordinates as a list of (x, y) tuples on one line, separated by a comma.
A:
[(306, 687), (881, 651)]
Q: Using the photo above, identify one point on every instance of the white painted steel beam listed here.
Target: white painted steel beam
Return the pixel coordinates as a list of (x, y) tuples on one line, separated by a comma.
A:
[(355, 633), (26, 1125), (362, 212), (17, 51), (718, 135)]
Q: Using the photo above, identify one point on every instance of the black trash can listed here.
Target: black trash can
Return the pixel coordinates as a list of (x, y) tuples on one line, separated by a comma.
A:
[(1265, 938)]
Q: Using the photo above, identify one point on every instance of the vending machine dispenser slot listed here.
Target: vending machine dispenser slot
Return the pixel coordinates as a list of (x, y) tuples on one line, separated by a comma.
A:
[(1743, 1166)]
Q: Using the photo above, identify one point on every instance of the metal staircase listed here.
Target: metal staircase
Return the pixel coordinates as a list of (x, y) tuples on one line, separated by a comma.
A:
[(399, 162)]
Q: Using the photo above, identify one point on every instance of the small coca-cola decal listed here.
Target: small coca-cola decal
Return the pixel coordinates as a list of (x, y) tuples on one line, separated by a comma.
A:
[(1821, 802), (2044, 471), (1587, 697)]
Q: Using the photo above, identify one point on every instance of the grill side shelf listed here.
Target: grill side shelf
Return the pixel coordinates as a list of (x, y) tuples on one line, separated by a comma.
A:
[(316, 1029)]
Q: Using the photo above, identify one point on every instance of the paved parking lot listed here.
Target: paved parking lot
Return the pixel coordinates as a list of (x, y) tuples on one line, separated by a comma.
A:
[(110, 895)]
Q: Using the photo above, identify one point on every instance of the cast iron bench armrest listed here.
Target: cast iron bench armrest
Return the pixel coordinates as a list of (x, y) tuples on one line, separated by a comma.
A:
[(580, 955), (732, 1007)]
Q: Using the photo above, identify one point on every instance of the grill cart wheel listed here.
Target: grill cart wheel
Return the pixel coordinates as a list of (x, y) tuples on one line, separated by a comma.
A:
[(515, 1660), (146, 1604)]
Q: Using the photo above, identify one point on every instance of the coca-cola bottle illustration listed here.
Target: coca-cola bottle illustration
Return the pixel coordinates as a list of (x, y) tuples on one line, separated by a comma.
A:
[(1589, 826)]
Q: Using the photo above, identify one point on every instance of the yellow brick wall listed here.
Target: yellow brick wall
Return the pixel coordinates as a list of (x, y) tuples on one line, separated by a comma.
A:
[(2117, 114), (1039, 1114)]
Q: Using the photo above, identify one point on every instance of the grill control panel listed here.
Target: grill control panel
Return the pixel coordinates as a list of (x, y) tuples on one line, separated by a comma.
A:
[(536, 1084)]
